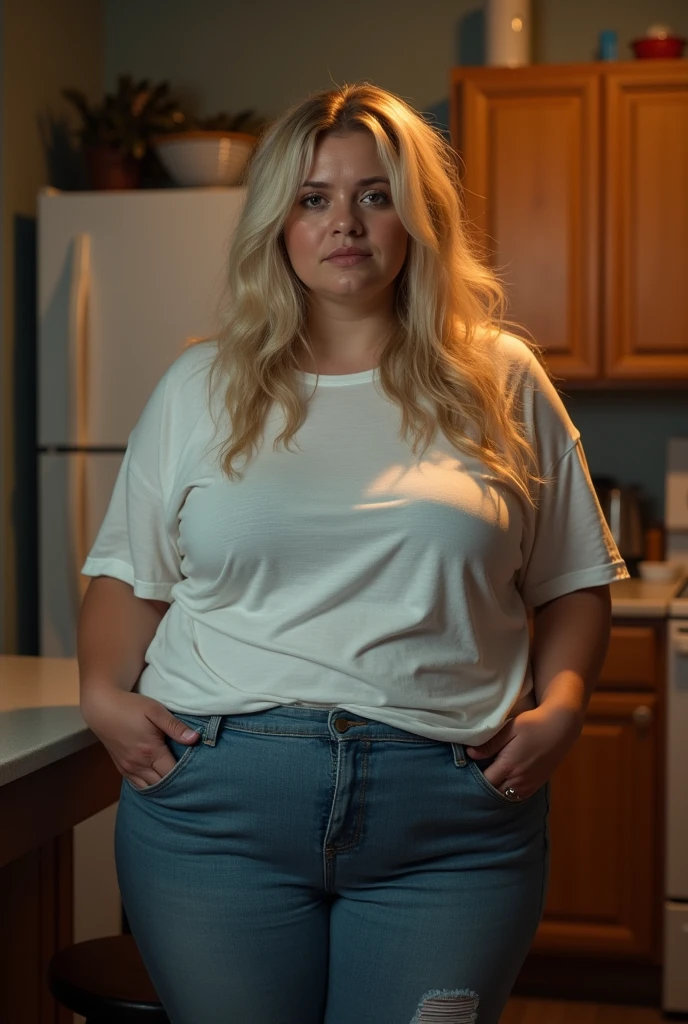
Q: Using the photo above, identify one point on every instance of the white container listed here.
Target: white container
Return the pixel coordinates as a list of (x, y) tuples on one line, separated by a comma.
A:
[(507, 33), (197, 159), (658, 572)]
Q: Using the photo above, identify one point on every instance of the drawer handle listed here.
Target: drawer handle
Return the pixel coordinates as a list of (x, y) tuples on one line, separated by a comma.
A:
[(642, 716)]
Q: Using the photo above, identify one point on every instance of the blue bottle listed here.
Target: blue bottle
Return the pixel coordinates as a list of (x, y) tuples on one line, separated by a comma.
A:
[(608, 45)]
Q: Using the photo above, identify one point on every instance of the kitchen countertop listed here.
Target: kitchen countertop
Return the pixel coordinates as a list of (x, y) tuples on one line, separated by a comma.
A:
[(40, 718), (41, 721), (54, 772), (639, 599)]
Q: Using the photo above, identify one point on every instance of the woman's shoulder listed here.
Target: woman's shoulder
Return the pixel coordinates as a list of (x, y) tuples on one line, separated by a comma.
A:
[(179, 399), (512, 357), (523, 376), (194, 360), (185, 381)]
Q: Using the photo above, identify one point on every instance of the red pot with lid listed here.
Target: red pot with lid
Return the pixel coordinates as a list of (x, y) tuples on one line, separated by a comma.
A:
[(659, 42), (672, 46)]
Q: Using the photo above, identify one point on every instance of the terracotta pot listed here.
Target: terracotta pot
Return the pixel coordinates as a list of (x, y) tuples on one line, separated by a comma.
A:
[(110, 169)]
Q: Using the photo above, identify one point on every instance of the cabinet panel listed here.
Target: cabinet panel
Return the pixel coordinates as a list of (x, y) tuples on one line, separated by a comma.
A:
[(529, 145), (36, 895), (646, 201), (604, 890), (632, 658)]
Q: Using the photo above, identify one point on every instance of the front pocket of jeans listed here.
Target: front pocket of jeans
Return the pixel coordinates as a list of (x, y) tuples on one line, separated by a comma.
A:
[(492, 790), (186, 753)]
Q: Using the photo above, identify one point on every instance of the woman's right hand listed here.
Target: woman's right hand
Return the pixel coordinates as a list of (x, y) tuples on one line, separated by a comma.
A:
[(132, 728)]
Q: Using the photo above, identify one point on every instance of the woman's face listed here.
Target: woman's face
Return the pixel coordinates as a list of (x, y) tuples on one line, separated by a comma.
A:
[(336, 208)]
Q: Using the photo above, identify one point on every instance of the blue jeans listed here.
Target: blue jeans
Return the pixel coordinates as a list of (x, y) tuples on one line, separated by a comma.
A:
[(306, 866)]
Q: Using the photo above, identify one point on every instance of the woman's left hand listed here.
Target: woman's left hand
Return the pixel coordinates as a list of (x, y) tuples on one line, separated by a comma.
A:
[(530, 746)]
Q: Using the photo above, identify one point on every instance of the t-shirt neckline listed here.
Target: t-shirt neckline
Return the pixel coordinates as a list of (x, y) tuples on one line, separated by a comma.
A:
[(338, 379)]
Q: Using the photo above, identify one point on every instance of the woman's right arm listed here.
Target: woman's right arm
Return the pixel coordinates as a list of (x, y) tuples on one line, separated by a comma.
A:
[(114, 632), (115, 629)]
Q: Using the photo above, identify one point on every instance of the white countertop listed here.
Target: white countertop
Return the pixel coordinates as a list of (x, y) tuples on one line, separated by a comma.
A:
[(639, 599), (40, 718)]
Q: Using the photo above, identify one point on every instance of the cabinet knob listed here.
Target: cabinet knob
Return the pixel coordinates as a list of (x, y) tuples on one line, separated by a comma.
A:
[(642, 716)]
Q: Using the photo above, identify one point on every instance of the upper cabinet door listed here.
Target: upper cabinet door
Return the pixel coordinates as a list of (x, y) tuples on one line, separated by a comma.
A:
[(646, 206), (529, 143)]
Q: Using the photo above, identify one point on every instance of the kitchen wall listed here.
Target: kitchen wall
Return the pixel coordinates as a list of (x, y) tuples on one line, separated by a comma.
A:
[(229, 57), (625, 435), (266, 54)]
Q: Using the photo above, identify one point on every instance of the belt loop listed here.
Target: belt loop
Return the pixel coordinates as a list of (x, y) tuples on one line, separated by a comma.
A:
[(459, 754), (213, 727)]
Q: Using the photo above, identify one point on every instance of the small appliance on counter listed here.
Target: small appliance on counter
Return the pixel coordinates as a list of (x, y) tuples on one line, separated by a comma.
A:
[(623, 510)]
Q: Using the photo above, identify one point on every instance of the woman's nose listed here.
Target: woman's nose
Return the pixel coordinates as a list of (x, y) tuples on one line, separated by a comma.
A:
[(345, 216)]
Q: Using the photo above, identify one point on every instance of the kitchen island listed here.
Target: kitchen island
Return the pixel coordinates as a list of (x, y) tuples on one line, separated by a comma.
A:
[(54, 774)]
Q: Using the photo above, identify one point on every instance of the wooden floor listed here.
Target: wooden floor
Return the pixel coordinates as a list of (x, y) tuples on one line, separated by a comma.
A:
[(548, 1011)]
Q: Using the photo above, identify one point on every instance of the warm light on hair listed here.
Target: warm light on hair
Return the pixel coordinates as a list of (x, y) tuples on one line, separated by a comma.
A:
[(448, 302)]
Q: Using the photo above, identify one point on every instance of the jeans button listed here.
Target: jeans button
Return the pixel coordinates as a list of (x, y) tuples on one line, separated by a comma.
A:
[(341, 725)]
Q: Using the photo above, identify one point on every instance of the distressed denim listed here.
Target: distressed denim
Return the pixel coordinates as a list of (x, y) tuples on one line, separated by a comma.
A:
[(304, 865)]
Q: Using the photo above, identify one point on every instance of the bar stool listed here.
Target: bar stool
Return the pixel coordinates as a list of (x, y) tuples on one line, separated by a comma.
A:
[(106, 982)]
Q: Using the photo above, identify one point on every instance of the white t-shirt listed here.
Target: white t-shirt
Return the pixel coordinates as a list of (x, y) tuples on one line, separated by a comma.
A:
[(346, 573)]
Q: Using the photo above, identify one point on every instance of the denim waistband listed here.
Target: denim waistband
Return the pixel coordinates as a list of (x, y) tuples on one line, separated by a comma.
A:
[(291, 720)]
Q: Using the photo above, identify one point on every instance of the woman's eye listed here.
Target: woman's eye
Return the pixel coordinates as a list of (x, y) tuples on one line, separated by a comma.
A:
[(384, 198)]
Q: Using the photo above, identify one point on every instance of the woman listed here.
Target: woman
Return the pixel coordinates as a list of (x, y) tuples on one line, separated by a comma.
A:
[(357, 829)]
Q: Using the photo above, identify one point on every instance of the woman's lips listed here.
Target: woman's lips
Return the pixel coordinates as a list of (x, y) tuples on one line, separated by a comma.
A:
[(347, 261)]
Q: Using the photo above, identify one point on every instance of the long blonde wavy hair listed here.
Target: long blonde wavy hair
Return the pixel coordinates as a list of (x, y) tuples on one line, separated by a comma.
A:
[(446, 298)]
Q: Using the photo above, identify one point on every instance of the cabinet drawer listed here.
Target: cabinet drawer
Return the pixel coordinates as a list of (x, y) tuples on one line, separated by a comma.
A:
[(632, 660)]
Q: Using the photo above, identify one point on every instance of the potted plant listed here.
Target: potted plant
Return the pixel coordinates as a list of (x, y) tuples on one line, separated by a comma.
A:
[(115, 135), (209, 151)]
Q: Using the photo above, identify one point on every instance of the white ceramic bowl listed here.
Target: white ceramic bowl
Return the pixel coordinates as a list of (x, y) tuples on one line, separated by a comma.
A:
[(658, 572), (196, 159)]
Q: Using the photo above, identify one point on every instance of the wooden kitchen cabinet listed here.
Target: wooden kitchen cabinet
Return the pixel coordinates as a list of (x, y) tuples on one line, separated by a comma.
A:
[(40, 810), (606, 812), (575, 189), (646, 220)]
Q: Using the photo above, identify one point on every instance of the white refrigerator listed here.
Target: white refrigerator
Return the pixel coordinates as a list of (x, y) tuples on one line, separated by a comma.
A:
[(124, 279)]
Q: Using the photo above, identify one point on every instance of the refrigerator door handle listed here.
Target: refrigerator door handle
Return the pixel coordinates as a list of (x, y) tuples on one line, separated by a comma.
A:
[(78, 338), (76, 488), (78, 355)]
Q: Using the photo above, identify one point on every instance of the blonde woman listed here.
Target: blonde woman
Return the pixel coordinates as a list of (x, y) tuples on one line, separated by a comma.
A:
[(356, 830)]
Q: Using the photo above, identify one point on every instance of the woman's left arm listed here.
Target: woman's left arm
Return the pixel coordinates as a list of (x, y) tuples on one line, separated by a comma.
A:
[(570, 641)]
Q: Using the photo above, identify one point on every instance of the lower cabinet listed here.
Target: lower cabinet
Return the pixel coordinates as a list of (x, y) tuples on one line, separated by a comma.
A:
[(607, 812)]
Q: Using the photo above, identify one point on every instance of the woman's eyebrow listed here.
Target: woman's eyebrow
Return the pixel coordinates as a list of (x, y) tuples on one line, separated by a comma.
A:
[(327, 184)]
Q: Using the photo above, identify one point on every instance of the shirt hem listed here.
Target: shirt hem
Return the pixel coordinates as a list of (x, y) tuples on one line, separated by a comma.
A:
[(595, 576), (125, 572)]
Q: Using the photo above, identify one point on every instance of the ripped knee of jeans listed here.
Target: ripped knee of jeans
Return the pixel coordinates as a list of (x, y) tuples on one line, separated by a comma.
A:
[(447, 1006)]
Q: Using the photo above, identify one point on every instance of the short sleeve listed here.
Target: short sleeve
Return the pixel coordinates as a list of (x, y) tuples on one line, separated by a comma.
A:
[(568, 544), (135, 542)]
